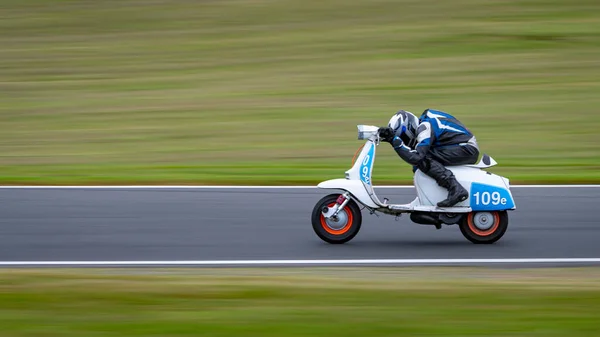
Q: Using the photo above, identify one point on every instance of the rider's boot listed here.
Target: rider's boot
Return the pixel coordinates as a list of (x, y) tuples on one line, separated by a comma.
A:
[(445, 178), (456, 192)]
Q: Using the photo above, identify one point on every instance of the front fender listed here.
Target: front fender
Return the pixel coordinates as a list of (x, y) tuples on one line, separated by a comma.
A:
[(355, 187)]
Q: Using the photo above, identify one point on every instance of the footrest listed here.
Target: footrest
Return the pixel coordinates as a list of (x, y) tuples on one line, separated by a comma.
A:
[(436, 209), (401, 207)]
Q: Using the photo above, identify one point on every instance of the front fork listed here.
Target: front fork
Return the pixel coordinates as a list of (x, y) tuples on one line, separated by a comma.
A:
[(340, 203)]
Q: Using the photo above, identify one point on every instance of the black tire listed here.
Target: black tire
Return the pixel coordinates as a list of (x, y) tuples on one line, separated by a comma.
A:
[(328, 234), (491, 235)]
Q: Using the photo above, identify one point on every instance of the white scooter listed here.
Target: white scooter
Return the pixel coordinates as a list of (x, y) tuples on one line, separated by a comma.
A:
[(482, 218)]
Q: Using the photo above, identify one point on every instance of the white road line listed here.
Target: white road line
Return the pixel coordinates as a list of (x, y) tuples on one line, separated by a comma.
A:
[(182, 187), (304, 262)]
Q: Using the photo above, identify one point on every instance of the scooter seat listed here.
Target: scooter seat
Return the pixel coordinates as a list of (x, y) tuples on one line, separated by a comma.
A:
[(485, 162)]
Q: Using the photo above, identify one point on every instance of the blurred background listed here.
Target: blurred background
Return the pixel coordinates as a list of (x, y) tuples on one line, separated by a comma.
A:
[(271, 91)]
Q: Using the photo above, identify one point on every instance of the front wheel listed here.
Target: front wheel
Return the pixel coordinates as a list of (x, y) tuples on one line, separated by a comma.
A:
[(339, 230), (484, 227)]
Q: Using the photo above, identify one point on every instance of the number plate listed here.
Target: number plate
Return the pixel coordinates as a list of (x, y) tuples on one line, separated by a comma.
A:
[(490, 198)]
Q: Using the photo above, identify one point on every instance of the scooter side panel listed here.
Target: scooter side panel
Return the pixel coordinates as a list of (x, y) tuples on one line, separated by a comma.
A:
[(430, 193)]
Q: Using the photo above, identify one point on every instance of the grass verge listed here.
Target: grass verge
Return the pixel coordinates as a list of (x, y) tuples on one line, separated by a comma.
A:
[(300, 302), (270, 92)]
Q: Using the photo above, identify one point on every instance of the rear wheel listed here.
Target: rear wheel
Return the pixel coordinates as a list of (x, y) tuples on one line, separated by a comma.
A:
[(484, 227), (341, 229)]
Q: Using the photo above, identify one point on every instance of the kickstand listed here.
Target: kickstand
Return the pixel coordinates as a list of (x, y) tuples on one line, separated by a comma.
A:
[(372, 211)]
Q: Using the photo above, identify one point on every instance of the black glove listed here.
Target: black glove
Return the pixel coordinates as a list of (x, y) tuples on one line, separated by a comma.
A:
[(386, 134)]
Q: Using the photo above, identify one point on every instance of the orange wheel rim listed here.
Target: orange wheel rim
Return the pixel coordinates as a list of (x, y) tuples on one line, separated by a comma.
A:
[(486, 232), (342, 230)]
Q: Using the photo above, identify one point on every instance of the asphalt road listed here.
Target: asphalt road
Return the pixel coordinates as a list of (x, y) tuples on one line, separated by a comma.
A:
[(256, 224)]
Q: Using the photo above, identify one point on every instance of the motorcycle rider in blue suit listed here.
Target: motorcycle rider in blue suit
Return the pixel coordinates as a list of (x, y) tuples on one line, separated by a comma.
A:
[(431, 142)]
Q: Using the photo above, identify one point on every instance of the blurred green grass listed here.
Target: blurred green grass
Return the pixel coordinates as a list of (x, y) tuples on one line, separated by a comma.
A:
[(267, 302), (270, 92)]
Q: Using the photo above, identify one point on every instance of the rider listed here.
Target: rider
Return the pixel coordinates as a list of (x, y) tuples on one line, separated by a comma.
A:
[(431, 142)]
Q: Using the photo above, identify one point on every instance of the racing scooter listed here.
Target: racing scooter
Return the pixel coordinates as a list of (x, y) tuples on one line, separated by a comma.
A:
[(482, 218)]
